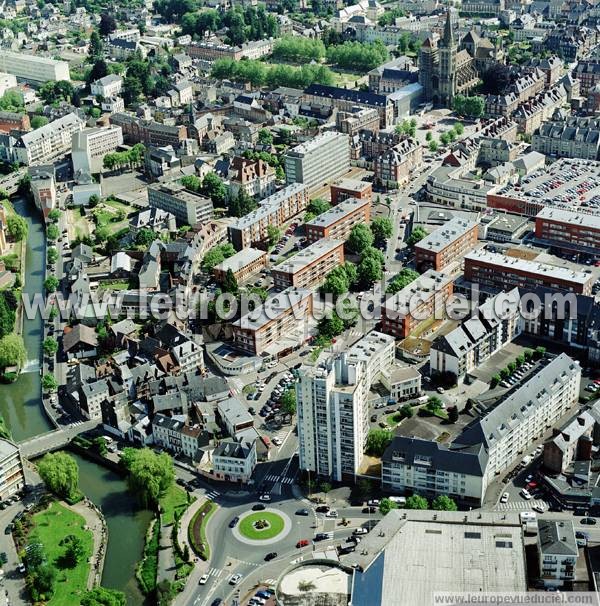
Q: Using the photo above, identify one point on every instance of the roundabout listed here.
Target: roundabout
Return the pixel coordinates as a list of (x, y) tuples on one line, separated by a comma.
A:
[(262, 527)]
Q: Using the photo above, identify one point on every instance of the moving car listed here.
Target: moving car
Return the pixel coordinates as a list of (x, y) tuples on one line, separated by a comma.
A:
[(589, 521), (360, 530), (332, 513), (270, 556), (265, 497), (369, 510), (302, 512), (525, 494), (323, 508), (203, 579), (258, 507), (504, 498), (302, 543), (234, 522), (321, 536), (235, 579)]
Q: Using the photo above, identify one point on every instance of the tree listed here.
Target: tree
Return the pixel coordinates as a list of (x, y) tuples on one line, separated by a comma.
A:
[(150, 474), (94, 200), (265, 137), (377, 441), (417, 234), (406, 411), (17, 228), (242, 204), (288, 401), (60, 474), (539, 352), (38, 121), (511, 367), (229, 283), (495, 79), (96, 46), (318, 206), (54, 215), (386, 505), (50, 346), (433, 146), (452, 414), (401, 280), (52, 232), (99, 444), (55, 92), (12, 351), (214, 188), (273, 235), (381, 227), (434, 405), (416, 501), (443, 503), (459, 128), (49, 382), (100, 596), (145, 237), (74, 551), (108, 24), (369, 271), (336, 282), (469, 106), (51, 284), (330, 326), (360, 238), (99, 70), (216, 255), (495, 380)]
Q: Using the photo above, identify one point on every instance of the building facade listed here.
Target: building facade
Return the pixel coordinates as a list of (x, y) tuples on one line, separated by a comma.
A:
[(12, 478), (188, 207), (32, 68), (89, 146), (339, 221)]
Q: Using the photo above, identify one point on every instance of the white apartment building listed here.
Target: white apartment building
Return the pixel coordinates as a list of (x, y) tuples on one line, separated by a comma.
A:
[(109, 86), (49, 141), (482, 335), (89, 147), (234, 461), (12, 479), (403, 383), (7, 81), (189, 356), (332, 409), (33, 68), (525, 413), (377, 351), (557, 547), (319, 160)]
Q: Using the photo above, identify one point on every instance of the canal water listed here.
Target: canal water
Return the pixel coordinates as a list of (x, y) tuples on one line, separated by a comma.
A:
[(20, 405)]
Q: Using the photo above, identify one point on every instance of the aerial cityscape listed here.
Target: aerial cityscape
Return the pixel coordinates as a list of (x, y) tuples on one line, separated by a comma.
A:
[(299, 302)]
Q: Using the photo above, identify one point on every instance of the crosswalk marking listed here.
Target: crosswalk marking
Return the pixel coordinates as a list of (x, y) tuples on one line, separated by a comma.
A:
[(212, 495), (520, 505), (215, 572), (275, 478), (235, 385)]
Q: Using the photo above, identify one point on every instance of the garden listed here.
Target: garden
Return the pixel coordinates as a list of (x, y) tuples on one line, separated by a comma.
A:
[(261, 525)]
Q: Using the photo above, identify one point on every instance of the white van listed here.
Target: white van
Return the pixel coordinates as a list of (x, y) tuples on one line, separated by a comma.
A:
[(401, 501)]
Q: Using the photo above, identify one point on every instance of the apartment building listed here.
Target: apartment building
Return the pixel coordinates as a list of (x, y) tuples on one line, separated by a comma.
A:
[(344, 99), (558, 552), (587, 72), (338, 221), (12, 478), (244, 264), (568, 230), (447, 244), (212, 51), (420, 300), (397, 164), (343, 189), (89, 146), (49, 141), (33, 68), (137, 130), (188, 207), (255, 177), (7, 81), (109, 86), (377, 351), (309, 267), (359, 118), (428, 468), (13, 121), (403, 383), (479, 337), (575, 137), (43, 189), (319, 160), (501, 272), (281, 322), (251, 229), (234, 461), (331, 403), (176, 435)]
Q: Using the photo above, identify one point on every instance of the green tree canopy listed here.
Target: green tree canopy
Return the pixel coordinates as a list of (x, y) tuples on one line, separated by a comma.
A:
[(50, 346), (369, 271), (416, 501), (150, 474), (288, 401), (17, 227), (52, 232), (330, 326), (60, 474), (360, 238), (12, 351), (401, 280), (230, 284), (38, 121), (443, 503), (265, 137), (101, 596), (417, 234), (49, 382), (386, 505), (381, 227), (377, 441), (51, 283)]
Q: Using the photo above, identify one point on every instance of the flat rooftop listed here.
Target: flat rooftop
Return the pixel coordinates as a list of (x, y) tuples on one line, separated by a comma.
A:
[(511, 264), (329, 217), (562, 215), (426, 552), (430, 282), (241, 259), (314, 144), (309, 255), (446, 234), (569, 182), (352, 184)]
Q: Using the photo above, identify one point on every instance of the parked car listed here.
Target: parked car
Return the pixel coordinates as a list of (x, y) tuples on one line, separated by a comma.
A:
[(589, 521), (323, 508), (373, 503), (369, 510), (525, 494), (321, 536), (265, 497)]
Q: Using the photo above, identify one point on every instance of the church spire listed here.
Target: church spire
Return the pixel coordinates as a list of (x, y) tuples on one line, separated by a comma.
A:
[(448, 38)]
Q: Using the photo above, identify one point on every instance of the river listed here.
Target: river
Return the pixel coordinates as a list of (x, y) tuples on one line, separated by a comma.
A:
[(20, 405)]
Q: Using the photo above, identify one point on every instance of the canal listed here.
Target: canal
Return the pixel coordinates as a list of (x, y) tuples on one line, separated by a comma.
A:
[(20, 405)]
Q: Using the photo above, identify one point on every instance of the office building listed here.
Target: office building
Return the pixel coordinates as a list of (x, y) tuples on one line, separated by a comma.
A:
[(280, 323), (251, 229), (319, 160), (244, 264), (569, 231), (33, 68), (309, 267), (188, 207), (89, 146), (338, 221), (49, 141), (501, 272), (420, 300), (343, 189), (447, 244), (558, 552), (12, 478), (478, 338)]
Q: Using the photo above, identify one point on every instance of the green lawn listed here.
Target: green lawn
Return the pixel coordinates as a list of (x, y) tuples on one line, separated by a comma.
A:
[(175, 499), (393, 419), (50, 527), (117, 205), (275, 521), (197, 530)]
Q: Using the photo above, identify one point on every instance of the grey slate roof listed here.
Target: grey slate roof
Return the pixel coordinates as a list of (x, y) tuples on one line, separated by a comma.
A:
[(557, 537)]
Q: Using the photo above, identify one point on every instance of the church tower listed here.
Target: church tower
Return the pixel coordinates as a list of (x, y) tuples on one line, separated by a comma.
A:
[(448, 50), (428, 68)]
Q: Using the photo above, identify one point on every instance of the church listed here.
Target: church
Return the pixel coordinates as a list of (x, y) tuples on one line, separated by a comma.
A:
[(447, 70)]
